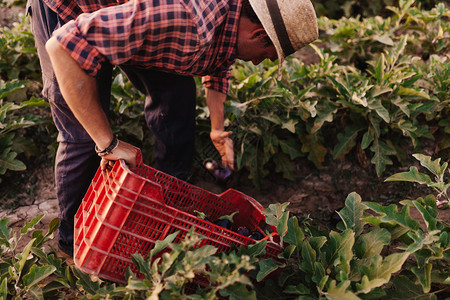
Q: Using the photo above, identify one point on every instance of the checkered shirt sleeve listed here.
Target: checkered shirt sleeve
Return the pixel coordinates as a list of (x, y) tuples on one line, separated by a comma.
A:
[(188, 37)]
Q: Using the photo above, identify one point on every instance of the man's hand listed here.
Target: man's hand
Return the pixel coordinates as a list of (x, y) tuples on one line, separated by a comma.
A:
[(123, 151), (224, 145), (219, 136)]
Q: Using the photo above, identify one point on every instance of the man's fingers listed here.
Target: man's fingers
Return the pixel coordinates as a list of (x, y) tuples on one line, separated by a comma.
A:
[(226, 134), (106, 164), (132, 164), (229, 153)]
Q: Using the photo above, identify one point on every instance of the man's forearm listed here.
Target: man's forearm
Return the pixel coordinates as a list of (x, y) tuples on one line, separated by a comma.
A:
[(80, 93), (215, 101)]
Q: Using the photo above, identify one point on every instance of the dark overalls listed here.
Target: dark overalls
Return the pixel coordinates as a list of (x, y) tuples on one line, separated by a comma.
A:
[(169, 113)]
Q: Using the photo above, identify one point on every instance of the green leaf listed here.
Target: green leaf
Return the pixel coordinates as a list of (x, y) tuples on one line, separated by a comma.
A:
[(352, 213), (395, 53), (444, 240), (384, 39), (37, 274), (253, 250), (30, 225), (381, 155), (316, 151), (379, 69), (291, 148), (238, 292), (378, 90), (11, 87), (84, 280), (53, 226), (404, 91), (424, 276), (290, 125), (379, 271), (340, 291), (36, 292), (342, 88), (367, 285), (421, 239), (55, 285), (294, 234), (161, 245), (404, 288), (375, 104), (285, 275), (266, 267), (24, 255), (205, 251), (4, 289), (308, 258), (430, 220), (341, 249), (413, 175), (283, 225), (403, 105), (138, 284), (391, 214), (270, 144), (287, 252), (372, 243), (275, 212), (347, 141), (317, 242), (319, 274), (8, 161), (325, 114), (284, 165), (434, 166), (5, 232), (273, 118), (299, 289), (367, 139)]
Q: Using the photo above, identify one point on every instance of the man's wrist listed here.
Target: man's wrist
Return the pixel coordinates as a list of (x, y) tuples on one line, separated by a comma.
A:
[(109, 149)]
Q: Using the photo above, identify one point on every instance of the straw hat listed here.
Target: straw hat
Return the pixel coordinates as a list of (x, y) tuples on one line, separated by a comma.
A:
[(290, 24)]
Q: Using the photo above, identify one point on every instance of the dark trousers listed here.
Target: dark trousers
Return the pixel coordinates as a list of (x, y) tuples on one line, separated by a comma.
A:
[(169, 113)]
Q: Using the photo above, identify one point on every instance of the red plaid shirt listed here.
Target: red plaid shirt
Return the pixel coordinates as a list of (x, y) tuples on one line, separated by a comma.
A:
[(187, 37)]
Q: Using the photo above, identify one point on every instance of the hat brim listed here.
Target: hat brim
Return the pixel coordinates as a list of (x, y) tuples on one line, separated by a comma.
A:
[(262, 12), (296, 24)]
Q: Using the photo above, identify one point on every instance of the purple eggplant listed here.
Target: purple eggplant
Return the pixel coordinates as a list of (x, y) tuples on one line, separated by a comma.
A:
[(256, 235), (242, 230), (220, 172), (225, 221)]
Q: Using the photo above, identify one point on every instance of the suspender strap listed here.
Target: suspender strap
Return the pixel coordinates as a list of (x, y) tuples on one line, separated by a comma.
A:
[(280, 27)]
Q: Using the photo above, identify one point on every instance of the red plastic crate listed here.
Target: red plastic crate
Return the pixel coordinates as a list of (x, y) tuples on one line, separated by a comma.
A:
[(125, 212)]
